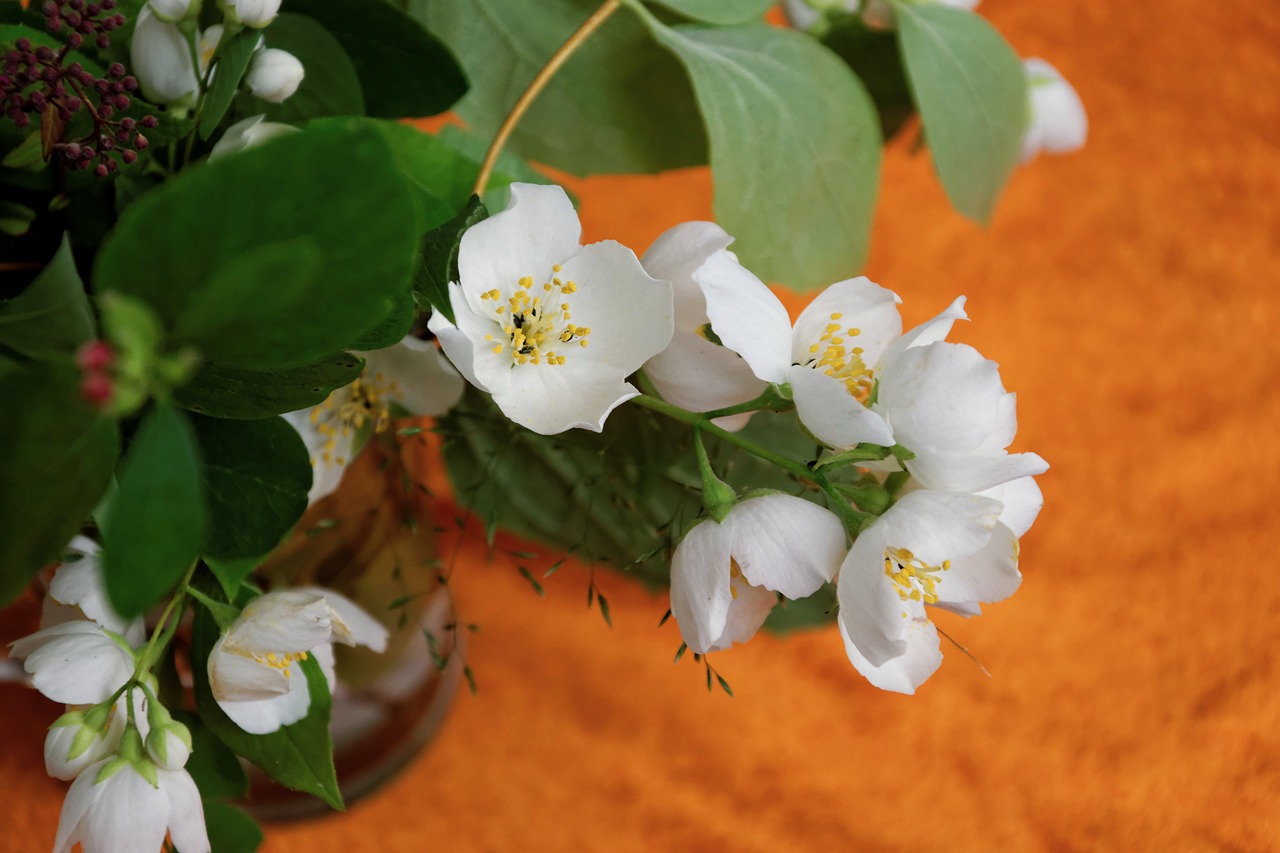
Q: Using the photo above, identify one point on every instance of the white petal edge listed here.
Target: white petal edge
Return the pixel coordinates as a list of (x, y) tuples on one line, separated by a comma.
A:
[(786, 544), (747, 317), (832, 414), (700, 596)]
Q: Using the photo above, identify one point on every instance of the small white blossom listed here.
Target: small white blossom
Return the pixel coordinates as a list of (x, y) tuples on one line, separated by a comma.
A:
[(79, 592), (694, 372), (1058, 122), (725, 576), (124, 813), (274, 75), (76, 663), (160, 57), (174, 11), (249, 133), (252, 13), (411, 374), (549, 327), (254, 668)]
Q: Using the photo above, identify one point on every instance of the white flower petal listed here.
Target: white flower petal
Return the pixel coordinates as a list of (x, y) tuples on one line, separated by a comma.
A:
[(326, 475), (186, 813), (747, 317), (832, 414), (455, 343), (902, 674), (323, 654), (128, 814), (857, 303), (1022, 501), (988, 576), (630, 314), (939, 526), (1059, 123), (747, 612), (538, 230), (675, 256), (160, 57), (80, 796), (700, 595), (928, 332), (941, 397), (281, 622), (551, 399), (352, 624), (75, 663), (700, 376), (786, 544), (958, 473), (235, 677), (871, 610), (426, 383), (263, 716)]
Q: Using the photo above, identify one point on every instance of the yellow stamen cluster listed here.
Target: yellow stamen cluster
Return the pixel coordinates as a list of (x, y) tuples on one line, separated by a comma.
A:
[(535, 322), (735, 574), (914, 579), (367, 400), (831, 356), (281, 662)]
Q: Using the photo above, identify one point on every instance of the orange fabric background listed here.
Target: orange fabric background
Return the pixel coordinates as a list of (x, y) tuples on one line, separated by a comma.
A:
[(1129, 293)]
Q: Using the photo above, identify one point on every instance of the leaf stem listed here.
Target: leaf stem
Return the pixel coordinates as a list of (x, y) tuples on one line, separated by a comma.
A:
[(590, 25), (146, 659)]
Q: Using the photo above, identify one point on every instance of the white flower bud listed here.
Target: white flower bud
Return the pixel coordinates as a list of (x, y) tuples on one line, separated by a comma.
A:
[(253, 13), (1058, 123), (161, 60), (175, 10), (169, 746), (274, 75), (247, 134), (73, 743)]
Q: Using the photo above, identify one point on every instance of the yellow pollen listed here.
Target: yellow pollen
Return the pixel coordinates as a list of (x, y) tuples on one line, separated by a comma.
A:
[(556, 268), (537, 321), (836, 316), (913, 579)]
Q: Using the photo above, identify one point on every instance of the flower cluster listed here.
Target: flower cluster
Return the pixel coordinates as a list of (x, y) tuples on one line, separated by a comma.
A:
[(553, 330)]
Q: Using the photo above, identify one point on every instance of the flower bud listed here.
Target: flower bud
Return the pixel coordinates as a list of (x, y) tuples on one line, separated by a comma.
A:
[(73, 743), (169, 746), (247, 134), (274, 75), (161, 59), (253, 13), (174, 11)]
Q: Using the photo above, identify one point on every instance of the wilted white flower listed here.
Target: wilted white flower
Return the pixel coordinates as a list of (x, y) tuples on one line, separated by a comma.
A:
[(549, 327), (274, 75), (1058, 121), (725, 576)]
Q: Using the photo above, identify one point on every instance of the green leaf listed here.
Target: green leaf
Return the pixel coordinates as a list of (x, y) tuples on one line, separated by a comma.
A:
[(508, 169), (182, 246), (439, 264), (257, 475), (392, 328), (814, 611), (233, 61), (222, 391), (52, 315), (720, 11), (15, 219), (27, 155), (795, 148), (618, 104), (59, 456), (298, 756), (213, 766), (404, 71), (875, 57), (971, 91), (155, 526), (232, 573), (331, 86), (230, 829)]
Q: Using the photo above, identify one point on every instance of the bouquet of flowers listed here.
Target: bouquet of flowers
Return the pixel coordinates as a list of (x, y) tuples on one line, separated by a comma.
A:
[(233, 265)]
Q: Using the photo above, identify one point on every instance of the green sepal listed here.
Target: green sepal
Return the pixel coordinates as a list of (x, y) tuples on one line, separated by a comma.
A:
[(718, 497), (223, 614)]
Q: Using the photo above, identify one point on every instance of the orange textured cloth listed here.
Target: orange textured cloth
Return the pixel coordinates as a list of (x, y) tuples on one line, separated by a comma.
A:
[(1130, 293)]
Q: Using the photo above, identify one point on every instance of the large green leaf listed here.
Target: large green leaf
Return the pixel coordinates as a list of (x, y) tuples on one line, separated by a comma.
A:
[(233, 60), (617, 105), (59, 456), (156, 523), (405, 72), (298, 756), (875, 57), (795, 148), (326, 212), (230, 829), (331, 86), (221, 391), (52, 314), (719, 11), (256, 475), (972, 95)]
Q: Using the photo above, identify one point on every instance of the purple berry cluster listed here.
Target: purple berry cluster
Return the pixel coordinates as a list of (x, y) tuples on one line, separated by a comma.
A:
[(35, 80)]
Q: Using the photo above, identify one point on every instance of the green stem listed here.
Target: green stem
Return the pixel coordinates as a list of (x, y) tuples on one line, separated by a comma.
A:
[(770, 400), (147, 659)]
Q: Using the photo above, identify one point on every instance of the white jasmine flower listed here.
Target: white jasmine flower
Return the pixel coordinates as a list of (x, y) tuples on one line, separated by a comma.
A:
[(929, 548), (725, 576), (252, 13), (174, 11), (1058, 121), (73, 743), (254, 670), (411, 374), (274, 75), (249, 133), (76, 663), (78, 591), (549, 327), (946, 404), (160, 57), (123, 813), (693, 372)]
